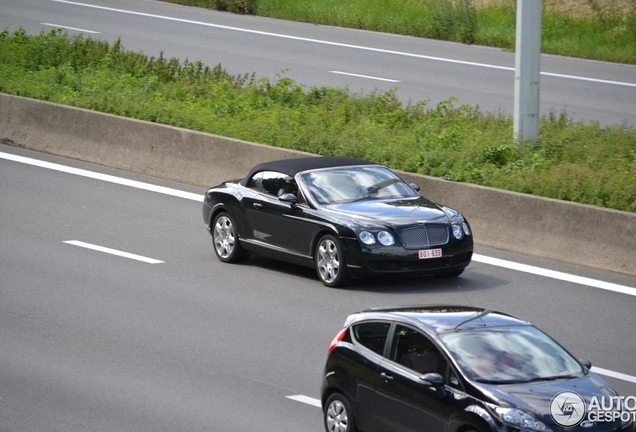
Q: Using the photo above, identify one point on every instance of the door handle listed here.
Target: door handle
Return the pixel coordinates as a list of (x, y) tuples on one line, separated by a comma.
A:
[(386, 376), (257, 205)]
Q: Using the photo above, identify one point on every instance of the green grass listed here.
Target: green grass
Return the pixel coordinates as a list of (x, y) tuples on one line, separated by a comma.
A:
[(607, 34), (580, 162)]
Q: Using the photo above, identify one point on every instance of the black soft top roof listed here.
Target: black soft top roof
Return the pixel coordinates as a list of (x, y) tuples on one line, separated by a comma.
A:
[(291, 167)]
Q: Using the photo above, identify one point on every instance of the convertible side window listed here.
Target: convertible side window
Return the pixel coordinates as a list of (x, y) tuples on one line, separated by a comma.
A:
[(415, 351), (256, 182), (276, 184), (372, 335)]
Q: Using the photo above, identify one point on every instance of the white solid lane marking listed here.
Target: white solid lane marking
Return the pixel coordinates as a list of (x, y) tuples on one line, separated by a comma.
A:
[(478, 258), (71, 28), (102, 177), (365, 76), (113, 251), (555, 274), (617, 375), (306, 400), (342, 45)]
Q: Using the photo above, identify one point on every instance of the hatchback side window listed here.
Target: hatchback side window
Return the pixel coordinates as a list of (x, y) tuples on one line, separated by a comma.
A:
[(415, 351), (372, 335)]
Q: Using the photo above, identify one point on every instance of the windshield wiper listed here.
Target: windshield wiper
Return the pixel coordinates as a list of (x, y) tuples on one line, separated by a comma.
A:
[(509, 381), (556, 377), (534, 379)]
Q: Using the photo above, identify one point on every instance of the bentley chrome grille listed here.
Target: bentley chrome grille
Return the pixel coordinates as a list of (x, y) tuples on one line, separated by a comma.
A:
[(424, 236)]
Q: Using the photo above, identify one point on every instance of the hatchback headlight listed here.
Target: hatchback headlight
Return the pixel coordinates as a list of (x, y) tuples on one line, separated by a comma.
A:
[(520, 419)]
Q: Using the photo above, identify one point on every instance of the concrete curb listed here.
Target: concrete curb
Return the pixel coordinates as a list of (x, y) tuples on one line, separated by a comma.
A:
[(559, 230)]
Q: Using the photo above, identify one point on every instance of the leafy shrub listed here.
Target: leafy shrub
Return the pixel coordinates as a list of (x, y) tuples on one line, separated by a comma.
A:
[(575, 161)]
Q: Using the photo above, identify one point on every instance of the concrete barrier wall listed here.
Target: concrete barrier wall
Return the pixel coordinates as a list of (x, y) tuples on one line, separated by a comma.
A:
[(568, 232)]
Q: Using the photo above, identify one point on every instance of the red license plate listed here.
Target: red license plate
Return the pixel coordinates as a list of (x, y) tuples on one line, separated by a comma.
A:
[(430, 253)]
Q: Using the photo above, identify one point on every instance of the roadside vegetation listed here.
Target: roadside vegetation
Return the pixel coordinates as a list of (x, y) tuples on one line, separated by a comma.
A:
[(590, 29), (580, 162)]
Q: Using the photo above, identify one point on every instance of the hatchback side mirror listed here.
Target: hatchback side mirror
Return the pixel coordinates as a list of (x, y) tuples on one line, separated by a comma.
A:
[(435, 382), (432, 379)]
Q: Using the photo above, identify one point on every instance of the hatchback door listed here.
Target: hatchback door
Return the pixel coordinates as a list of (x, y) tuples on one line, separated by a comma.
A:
[(362, 370), (404, 401)]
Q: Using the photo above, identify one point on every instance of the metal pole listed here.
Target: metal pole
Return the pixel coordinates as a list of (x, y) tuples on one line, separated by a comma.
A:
[(527, 70)]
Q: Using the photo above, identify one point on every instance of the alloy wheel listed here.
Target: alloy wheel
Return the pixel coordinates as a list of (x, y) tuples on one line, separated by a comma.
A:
[(337, 419), (224, 237), (328, 261)]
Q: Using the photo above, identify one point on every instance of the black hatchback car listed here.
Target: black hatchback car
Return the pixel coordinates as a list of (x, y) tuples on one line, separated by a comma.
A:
[(458, 369)]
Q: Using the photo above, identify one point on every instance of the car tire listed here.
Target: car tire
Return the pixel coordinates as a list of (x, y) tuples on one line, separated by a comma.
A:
[(338, 416), (225, 239), (329, 259)]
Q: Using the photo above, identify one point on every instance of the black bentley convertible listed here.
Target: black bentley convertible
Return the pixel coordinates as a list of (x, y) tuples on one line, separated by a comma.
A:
[(345, 217)]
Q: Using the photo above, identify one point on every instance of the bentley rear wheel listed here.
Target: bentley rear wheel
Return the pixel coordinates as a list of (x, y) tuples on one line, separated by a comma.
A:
[(331, 266), (226, 242)]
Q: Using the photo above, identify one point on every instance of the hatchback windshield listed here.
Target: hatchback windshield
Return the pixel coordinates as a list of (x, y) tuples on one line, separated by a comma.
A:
[(342, 185), (510, 355)]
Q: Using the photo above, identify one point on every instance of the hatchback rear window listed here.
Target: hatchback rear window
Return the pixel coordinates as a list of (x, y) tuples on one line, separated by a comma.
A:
[(372, 335)]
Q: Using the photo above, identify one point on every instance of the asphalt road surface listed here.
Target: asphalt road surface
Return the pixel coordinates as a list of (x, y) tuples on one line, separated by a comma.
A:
[(155, 334), (314, 55)]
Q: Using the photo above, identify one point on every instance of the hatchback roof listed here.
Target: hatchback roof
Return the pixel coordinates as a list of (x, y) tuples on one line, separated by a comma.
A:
[(443, 318)]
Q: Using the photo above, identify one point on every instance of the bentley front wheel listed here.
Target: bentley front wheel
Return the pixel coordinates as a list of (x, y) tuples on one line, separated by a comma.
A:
[(331, 266), (225, 239)]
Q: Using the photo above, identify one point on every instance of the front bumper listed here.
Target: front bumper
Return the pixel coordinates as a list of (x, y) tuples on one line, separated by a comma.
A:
[(397, 260)]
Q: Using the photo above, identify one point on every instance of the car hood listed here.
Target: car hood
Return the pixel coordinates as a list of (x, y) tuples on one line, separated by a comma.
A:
[(392, 212), (535, 398)]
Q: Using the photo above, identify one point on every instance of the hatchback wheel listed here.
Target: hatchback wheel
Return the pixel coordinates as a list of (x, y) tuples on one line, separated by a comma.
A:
[(330, 262), (338, 414), (225, 239)]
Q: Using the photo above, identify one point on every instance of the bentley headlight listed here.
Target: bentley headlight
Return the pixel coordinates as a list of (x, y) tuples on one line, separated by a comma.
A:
[(458, 232), (466, 229), (454, 216), (366, 237), (386, 238), (520, 419)]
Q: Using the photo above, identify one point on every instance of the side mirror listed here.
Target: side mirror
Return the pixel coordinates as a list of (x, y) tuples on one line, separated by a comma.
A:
[(435, 382), (432, 379), (288, 198), (415, 187), (586, 363)]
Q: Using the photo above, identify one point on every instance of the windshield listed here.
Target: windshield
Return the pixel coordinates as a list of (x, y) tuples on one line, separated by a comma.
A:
[(510, 355), (342, 185)]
